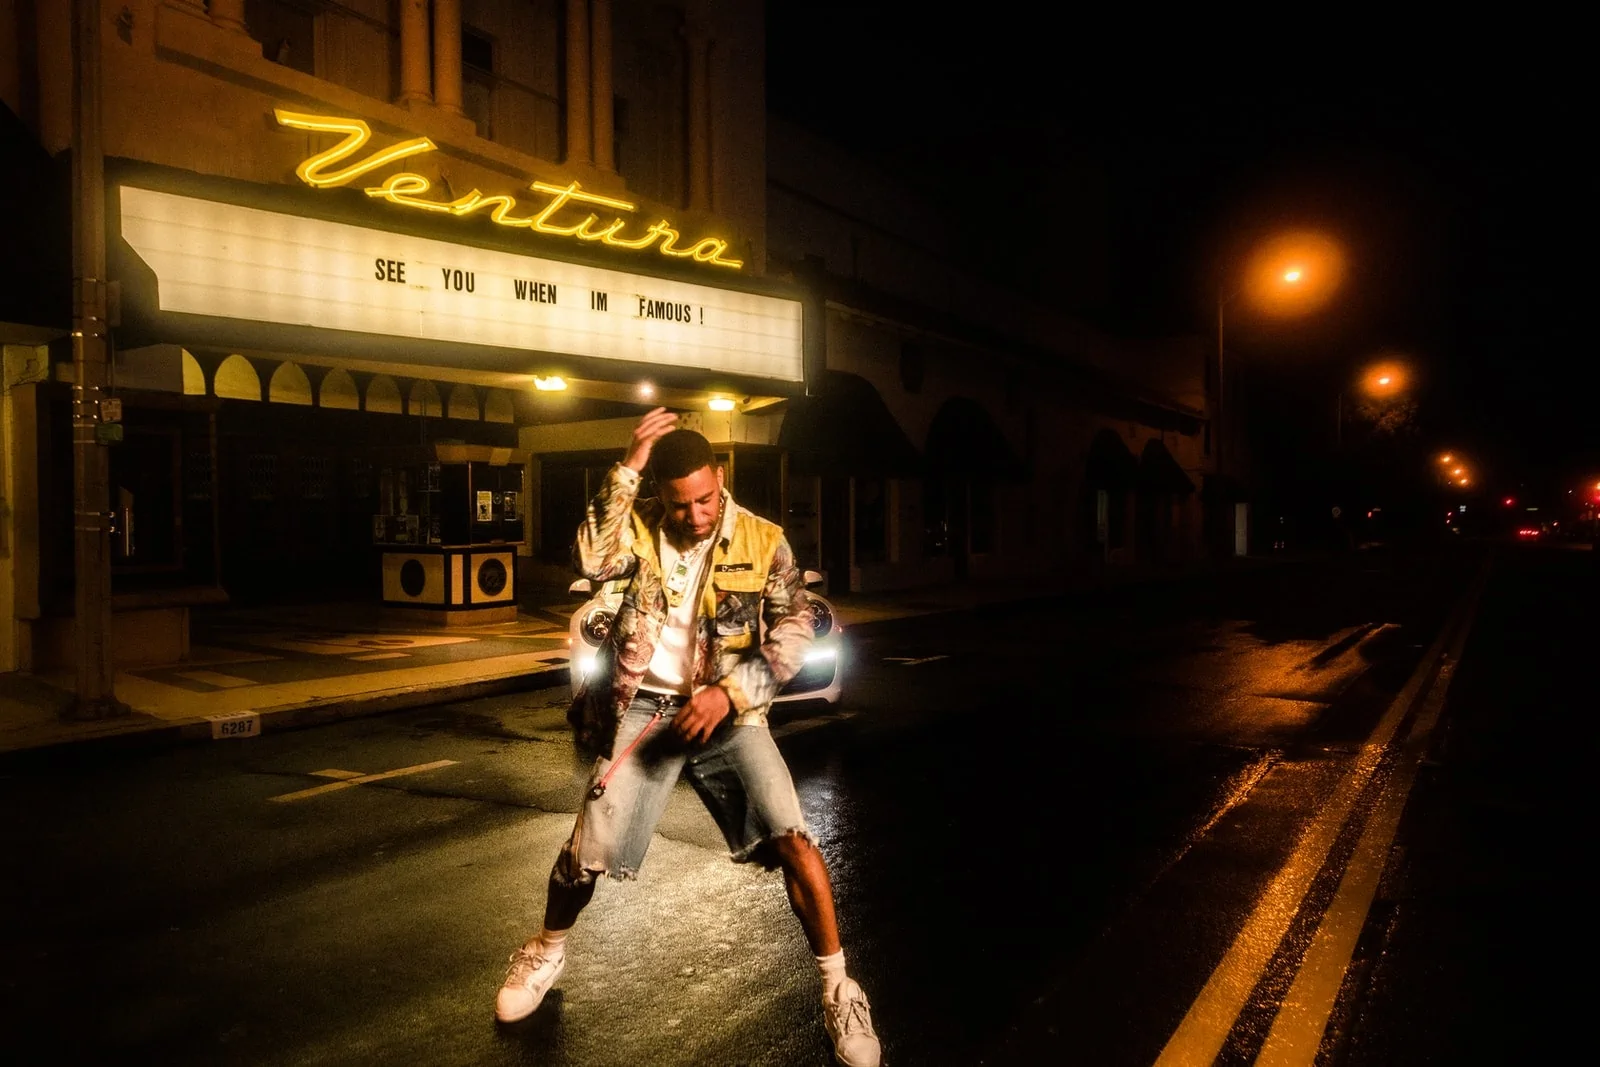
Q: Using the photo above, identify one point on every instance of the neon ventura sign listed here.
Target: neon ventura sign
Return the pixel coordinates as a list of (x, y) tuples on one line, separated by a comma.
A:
[(409, 189)]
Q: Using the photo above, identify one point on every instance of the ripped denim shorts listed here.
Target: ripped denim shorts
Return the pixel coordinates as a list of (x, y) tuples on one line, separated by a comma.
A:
[(739, 773)]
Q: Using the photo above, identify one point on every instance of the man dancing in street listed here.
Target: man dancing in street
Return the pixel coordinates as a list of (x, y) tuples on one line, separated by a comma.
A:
[(714, 621)]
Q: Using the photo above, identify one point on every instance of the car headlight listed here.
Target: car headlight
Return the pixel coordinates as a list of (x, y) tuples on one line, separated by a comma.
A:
[(820, 653), (821, 617), (596, 626)]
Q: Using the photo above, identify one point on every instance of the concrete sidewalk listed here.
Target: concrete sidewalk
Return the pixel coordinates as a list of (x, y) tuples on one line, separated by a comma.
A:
[(252, 670)]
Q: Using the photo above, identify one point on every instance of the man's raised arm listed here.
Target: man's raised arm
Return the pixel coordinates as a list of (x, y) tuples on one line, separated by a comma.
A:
[(603, 549)]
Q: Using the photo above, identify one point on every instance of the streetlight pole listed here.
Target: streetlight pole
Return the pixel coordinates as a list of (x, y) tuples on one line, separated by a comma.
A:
[(1290, 277), (1290, 273)]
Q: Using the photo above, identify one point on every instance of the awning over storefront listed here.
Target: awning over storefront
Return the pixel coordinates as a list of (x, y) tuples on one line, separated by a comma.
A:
[(846, 429), (1110, 465), (1160, 473), (965, 442)]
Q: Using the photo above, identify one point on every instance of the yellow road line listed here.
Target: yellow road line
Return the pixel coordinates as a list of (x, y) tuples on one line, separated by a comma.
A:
[(331, 787), (1297, 1031), (381, 655), (1205, 1027)]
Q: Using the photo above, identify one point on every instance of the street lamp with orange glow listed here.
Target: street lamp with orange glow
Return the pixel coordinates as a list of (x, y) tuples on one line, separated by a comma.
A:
[(1286, 276), (1384, 380)]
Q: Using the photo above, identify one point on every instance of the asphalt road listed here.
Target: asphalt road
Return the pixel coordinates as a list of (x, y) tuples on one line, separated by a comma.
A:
[(1055, 829)]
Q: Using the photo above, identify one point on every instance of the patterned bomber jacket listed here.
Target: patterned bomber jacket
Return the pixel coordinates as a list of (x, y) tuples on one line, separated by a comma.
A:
[(754, 623)]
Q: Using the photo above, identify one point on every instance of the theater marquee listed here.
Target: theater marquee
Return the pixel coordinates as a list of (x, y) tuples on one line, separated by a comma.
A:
[(552, 213), (224, 260)]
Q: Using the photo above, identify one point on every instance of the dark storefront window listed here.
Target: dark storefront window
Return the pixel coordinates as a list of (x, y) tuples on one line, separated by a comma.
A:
[(983, 515), (361, 479), (316, 477), (958, 516), (566, 484), (146, 473), (935, 518), (197, 468), (261, 476), (1114, 503), (758, 482), (307, 495), (872, 520), (161, 477)]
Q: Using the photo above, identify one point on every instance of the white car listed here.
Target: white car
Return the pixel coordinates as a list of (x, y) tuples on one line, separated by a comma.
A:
[(818, 680)]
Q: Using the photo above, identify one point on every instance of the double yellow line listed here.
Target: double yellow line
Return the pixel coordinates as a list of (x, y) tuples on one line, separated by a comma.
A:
[(1300, 1021)]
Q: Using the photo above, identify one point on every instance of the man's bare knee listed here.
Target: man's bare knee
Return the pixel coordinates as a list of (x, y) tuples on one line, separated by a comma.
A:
[(793, 849)]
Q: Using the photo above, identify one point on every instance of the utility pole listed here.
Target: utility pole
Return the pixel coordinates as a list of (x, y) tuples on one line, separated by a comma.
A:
[(91, 537)]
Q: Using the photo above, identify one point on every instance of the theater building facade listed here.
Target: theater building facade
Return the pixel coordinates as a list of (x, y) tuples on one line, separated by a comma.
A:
[(366, 263), (388, 284)]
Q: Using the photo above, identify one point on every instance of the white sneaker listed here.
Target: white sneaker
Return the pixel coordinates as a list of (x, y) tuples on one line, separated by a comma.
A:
[(528, 979), (848, 1017)]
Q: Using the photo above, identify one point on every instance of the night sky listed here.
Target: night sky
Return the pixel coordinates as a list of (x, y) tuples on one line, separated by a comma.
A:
[(1446, 160)]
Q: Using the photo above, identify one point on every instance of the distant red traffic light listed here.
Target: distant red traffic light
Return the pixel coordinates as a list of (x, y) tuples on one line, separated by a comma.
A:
[(1509, 501)]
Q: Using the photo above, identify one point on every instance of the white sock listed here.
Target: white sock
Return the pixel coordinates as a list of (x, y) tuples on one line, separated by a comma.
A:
[(832, 968), (554, 941)]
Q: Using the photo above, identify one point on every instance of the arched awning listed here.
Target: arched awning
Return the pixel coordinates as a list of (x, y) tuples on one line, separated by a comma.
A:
[(964, 441), (1110, 465), (846, 429), (1160, 473)]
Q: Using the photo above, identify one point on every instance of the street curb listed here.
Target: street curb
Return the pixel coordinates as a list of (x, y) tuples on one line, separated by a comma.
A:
[(163, 735)]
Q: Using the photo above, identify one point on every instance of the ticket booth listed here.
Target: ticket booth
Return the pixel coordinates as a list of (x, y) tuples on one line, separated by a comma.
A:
[(449, 533)]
